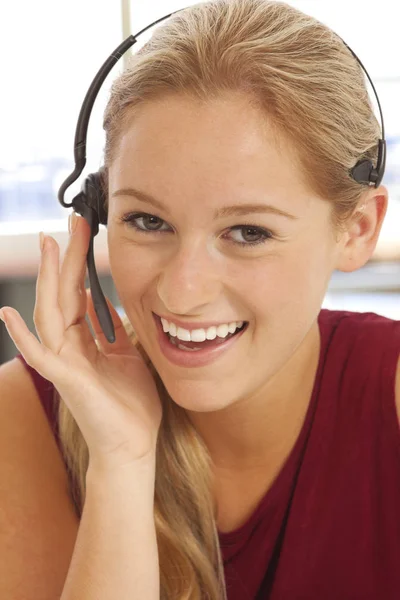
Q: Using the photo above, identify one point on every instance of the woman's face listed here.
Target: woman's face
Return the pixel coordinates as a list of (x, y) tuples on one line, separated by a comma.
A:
[(198, 267)]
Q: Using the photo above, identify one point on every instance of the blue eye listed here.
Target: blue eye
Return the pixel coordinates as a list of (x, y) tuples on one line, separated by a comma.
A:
[(259, 232)]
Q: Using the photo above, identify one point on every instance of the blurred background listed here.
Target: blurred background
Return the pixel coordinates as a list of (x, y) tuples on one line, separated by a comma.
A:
[(50, 51)]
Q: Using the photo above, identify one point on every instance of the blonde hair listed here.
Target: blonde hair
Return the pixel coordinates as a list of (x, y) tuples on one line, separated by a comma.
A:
[(304, 79)]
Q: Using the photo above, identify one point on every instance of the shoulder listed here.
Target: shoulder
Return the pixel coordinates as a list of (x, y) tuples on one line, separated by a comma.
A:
[(20, 397), (15, 376), (381, 337), (38, 524), (362, 327), (27, 437), (368, 345)]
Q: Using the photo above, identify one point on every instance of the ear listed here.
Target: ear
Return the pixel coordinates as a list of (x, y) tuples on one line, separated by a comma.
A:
[(358, 243)]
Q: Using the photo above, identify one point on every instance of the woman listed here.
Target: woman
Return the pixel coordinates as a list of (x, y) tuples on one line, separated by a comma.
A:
[(270, 461)]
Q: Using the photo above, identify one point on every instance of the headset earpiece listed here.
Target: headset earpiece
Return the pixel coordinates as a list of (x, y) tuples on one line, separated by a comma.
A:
[(365, 172), (90, 202), (93, 191)]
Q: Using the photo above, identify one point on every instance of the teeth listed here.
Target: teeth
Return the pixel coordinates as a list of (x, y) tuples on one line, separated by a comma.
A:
[(183, 334), (200, 335), (211, 333), (222, 330)]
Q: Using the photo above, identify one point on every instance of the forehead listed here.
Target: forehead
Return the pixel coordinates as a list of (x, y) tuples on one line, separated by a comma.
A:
[(180, 143)]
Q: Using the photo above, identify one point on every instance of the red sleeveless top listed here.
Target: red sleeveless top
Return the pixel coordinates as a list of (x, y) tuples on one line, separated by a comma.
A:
[(329, 527)]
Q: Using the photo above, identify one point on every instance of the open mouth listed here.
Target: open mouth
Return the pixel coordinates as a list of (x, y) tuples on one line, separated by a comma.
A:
[(195, 346)]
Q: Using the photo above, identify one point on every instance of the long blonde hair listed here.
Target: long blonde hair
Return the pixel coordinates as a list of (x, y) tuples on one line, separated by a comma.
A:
[(309, 85)]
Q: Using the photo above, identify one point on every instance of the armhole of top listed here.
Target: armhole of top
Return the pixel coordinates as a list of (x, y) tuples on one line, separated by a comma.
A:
[(48, 397), (388, 385)]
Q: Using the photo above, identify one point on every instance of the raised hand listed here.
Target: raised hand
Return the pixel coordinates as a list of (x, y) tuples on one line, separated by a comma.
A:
[(107, 387)]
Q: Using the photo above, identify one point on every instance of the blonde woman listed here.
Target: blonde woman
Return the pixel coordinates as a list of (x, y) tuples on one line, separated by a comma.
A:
[(259, 458)]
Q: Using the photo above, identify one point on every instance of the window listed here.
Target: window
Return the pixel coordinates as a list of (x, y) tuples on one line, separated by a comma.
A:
[(53, 51)]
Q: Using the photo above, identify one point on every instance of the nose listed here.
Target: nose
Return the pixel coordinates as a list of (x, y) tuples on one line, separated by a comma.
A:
[(190, 280)]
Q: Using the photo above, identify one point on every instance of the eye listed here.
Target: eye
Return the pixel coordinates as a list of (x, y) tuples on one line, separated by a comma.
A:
[(151, 224), (259, 232), (131, 218)]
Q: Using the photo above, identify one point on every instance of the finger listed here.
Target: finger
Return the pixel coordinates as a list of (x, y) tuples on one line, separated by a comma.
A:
[(71, 294), (122, 343), (48, 319), (35, 354)]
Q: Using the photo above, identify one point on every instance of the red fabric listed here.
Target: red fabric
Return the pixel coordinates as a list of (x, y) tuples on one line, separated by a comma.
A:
[(329, 527), (46, 392)]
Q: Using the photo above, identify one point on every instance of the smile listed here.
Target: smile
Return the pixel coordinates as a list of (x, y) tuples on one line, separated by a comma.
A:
[(195, 354)]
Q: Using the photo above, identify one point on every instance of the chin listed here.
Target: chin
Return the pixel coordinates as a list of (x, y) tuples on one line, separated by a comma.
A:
[(199, 401)]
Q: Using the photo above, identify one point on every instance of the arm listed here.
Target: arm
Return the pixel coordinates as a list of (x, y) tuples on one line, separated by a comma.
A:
[(116, 555)]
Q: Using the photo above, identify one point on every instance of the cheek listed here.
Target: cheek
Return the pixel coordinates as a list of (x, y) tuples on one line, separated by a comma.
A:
[(306, 280), (296, 280), (131, 267)]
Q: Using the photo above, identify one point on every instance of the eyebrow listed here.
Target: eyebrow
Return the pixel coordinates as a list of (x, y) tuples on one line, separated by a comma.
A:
[(226, 211)]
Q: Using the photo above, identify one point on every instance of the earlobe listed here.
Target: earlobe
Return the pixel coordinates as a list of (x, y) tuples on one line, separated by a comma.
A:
[(352, 258)]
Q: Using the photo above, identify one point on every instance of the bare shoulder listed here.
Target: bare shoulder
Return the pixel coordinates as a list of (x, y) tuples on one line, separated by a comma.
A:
[(38, 525)]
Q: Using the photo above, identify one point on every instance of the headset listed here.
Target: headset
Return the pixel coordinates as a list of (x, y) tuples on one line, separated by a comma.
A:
[(89, 202)]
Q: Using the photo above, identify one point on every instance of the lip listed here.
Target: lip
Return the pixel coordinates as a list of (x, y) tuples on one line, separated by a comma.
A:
[(191, 326), (200, 358)]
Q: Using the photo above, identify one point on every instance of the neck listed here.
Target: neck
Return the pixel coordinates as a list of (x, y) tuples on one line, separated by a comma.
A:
[(257, 433)]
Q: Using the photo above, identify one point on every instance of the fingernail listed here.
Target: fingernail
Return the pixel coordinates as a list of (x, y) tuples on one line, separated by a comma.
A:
[(72, 222), (41, 241)]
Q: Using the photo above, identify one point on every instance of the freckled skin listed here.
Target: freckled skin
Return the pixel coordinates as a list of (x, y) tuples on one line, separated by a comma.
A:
[(194, 159)]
